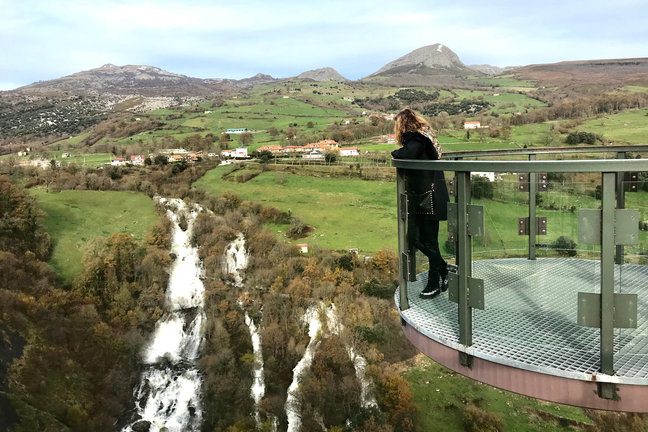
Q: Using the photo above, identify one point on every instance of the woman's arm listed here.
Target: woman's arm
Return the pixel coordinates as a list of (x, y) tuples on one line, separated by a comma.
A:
[(412, 149)]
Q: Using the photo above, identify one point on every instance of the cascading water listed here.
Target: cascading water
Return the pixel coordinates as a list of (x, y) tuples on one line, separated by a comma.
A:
[(312, 317), (168, 396), (299, 371), (258, 384), (359, 362), (236, 259)]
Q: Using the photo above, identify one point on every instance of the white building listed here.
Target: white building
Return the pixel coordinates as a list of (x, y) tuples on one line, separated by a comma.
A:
[(240, 152), (315, 154), (349, 151), (472, 125)]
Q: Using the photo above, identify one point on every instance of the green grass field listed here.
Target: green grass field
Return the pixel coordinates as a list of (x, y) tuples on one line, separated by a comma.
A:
[(442, 396), (73, 218), (627, 127), (346, 213)]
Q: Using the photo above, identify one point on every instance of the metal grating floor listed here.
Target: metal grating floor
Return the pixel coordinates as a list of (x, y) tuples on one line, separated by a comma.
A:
[(529, 320)]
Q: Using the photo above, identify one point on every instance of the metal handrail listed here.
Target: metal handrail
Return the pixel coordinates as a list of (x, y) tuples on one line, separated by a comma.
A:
[(546, 150)]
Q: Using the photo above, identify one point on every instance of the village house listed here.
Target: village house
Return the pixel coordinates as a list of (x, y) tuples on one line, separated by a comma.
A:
[(240, 152), (118, 162), (315, 155), (391, 139), (349, 151), (192, 157), (274, 149), (137, 160), (472, 125), (303, 247), (39, 163), (226, 154), (175, 158)]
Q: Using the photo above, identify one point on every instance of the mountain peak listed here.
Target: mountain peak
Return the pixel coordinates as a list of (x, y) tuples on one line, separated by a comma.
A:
[(425, 60), (322, 74)]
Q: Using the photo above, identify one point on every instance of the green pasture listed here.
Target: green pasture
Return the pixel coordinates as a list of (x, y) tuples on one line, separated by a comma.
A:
[(630, 126), (442, 396), (73, 218), (91, 160), (346, 213), (506, 82)]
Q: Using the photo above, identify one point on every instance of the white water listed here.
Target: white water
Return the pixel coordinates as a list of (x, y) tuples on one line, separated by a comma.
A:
[(312, 317), (168, 396), (359, 362), (258, 384), (236, 259), (299, 372)]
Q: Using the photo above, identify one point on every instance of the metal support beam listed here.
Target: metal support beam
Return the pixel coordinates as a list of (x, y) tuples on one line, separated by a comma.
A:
[(620, 201), (607, 280), (404, 252), (533, 189), (464, 260)]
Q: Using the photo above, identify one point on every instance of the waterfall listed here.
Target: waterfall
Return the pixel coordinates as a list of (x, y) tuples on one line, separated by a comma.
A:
[(292, 402), (312, 317), (258, 384), (236, 259), (168, 396), (359, 362)]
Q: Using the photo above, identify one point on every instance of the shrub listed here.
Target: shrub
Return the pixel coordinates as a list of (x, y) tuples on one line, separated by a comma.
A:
[(481, 187), (565, 246), (375, 288), (297, 228), (478, 420)]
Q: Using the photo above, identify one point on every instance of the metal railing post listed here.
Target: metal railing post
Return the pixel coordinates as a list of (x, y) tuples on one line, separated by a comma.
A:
[(607, 275), (533, 190), (464, 258), (403, 243), (620, 204)]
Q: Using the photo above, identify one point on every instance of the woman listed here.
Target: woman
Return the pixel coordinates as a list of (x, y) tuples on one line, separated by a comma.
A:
[(414, 134)]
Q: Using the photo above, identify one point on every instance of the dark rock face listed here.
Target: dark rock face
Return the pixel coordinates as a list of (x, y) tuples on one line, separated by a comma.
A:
[(141, 426)]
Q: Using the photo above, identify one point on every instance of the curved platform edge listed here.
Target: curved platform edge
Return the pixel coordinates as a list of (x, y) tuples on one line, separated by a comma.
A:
[(632, 398)]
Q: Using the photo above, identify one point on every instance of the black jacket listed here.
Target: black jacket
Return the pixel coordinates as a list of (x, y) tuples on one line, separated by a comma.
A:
[(418, 146)]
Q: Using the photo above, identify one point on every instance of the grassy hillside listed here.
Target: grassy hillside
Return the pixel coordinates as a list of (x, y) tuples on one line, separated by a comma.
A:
[(73, 218), (449, 399)]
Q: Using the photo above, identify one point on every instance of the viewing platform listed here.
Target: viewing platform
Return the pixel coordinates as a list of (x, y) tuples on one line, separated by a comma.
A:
[(564, 319)]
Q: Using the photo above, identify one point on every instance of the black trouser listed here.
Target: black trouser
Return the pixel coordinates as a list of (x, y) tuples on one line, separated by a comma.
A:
[(423, 234)]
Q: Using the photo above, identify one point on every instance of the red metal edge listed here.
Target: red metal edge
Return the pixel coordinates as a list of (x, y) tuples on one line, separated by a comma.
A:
[(632, 398)]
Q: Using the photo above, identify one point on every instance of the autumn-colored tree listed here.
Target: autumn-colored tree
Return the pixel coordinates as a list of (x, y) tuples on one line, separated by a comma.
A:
[(396, 400)]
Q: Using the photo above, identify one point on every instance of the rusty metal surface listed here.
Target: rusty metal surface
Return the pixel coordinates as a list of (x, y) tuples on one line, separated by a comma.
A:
[(633, 398)]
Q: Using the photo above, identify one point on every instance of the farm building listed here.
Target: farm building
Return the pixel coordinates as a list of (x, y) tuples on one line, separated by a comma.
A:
[(472, 125), (315, 154), (349, 151), (236, 130)]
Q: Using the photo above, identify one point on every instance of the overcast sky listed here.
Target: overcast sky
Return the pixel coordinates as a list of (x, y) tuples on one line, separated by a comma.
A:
[(42, 40)]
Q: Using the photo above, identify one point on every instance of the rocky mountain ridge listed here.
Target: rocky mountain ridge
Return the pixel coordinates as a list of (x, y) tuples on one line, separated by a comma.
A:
[(321, 75)]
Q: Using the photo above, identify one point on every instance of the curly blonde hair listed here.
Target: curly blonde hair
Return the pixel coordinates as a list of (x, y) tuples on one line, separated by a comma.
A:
[(409, 121)]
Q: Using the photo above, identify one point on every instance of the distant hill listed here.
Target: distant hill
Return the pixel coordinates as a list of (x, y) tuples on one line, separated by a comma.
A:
[(130, 79), (488, 69), (321, 75), (625, 71), (429, 65), (252, 81)]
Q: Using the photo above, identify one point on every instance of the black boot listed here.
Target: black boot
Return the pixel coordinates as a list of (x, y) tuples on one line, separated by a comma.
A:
[(432, 287), (443, 276)]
